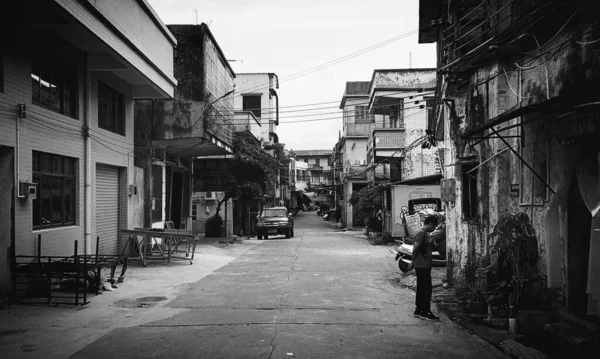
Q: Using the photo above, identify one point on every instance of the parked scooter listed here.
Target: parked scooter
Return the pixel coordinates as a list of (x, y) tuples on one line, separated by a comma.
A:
[(329, 214), (437, 240)]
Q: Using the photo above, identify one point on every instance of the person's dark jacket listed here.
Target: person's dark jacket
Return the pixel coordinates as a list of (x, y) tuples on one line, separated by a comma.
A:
[(421, 254)]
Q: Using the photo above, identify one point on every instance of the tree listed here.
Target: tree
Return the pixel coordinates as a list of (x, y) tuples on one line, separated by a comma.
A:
[(253, 170), (367, 201)]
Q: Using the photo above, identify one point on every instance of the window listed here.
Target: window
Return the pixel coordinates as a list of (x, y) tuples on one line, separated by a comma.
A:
[(534, 151), (194, 212), (306, 160), (54, 85), (470, 200), (361, 115), (54, 205), (318, 161), (397, 116), (328, 161), (252, 103), (111, 109)]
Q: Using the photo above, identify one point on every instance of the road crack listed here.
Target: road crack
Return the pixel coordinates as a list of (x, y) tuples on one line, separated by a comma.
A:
[(287, 290)]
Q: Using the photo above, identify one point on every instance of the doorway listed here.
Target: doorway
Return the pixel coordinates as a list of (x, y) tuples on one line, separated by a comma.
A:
[(578, 249), (177, 198)]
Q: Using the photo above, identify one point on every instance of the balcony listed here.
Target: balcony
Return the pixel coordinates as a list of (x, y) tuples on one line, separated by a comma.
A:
[(245, 121), (388, 138), (358, 129)]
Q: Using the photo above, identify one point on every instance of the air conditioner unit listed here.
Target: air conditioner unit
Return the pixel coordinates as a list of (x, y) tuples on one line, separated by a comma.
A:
[(210, 196)]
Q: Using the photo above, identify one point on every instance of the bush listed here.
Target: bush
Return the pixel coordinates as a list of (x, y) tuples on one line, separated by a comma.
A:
[(214, 226)]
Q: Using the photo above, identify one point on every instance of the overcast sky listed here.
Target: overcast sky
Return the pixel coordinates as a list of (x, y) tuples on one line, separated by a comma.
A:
[(287, 37)]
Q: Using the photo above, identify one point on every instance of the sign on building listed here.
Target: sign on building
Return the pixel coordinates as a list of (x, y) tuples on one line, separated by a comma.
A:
[(212, 175)]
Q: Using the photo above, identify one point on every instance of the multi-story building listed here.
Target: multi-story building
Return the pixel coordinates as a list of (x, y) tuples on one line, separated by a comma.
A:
[(518, 122), (350, 153), (69, 74), (405, 97), (319, 165), (257, 93), (197, 123)]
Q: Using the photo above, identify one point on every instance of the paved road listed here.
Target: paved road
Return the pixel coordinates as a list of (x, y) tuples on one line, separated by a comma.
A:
[(321, 294)]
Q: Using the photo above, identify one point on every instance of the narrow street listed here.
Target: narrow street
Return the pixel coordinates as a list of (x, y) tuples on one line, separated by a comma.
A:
[(321, 294)]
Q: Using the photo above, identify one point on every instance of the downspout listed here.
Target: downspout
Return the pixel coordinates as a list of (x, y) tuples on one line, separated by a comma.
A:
[(87, 157), (276, 108)]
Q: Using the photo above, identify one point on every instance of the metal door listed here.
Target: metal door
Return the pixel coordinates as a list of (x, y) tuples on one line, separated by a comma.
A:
[(107, 208)]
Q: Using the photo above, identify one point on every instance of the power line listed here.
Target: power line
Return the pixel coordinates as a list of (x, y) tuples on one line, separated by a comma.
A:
[(282, 121), (420, 92), (336, 61)]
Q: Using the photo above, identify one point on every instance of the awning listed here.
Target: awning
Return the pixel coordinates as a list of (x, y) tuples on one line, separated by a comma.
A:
[(381, 101), (432, 179), (190, 147), (514, 112)]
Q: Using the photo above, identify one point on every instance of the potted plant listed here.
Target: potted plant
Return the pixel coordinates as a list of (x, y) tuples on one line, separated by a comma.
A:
[(214, 226), (515, 252), (476, 303), (498, 304)]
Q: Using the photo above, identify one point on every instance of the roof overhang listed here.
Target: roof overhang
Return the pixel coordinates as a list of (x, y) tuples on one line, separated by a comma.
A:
[(382, 100), (190, 147), (432, 179)]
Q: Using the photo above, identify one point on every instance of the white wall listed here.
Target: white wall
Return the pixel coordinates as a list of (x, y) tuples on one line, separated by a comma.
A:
[(256, 84)]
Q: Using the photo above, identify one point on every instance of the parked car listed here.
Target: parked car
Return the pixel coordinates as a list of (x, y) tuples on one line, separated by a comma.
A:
[(274, 221)]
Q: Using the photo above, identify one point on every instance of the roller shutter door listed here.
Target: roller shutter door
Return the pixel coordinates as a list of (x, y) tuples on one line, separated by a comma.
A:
[(107, 208)]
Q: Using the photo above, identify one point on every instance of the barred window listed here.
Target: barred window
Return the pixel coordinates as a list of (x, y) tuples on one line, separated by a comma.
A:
[(55, 204)]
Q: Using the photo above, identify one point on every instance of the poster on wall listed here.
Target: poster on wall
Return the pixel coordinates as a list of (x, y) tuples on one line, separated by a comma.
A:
[(212, 175), (413, 224), (401, 194)]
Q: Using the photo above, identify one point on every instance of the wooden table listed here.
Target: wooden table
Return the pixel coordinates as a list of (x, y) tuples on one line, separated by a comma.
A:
[(146, 242)]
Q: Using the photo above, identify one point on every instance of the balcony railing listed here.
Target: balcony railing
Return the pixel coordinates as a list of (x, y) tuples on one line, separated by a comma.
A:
[(358, 129), (388, 138)]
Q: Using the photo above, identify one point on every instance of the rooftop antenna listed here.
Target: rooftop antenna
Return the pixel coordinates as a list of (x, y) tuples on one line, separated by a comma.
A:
[(196, 10), (410, 60)]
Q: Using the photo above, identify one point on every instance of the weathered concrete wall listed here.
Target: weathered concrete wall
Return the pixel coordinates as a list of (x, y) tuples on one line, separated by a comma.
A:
[(569, 73)]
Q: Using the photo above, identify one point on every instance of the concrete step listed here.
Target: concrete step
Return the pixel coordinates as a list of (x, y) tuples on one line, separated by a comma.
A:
[(514, 349), (570, 334)]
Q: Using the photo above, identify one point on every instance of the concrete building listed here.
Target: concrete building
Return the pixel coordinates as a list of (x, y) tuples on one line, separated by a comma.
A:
[(301, 179), (405, 97), (319, 165), (350, 153), (518, 122), (69, 74), (256, 93), (197, 123)]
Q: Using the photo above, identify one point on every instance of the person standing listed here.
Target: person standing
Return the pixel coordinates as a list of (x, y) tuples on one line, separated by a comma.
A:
[(422, 262)]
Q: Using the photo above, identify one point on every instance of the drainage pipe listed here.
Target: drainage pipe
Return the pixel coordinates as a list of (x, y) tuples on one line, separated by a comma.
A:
[(87, 243)]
